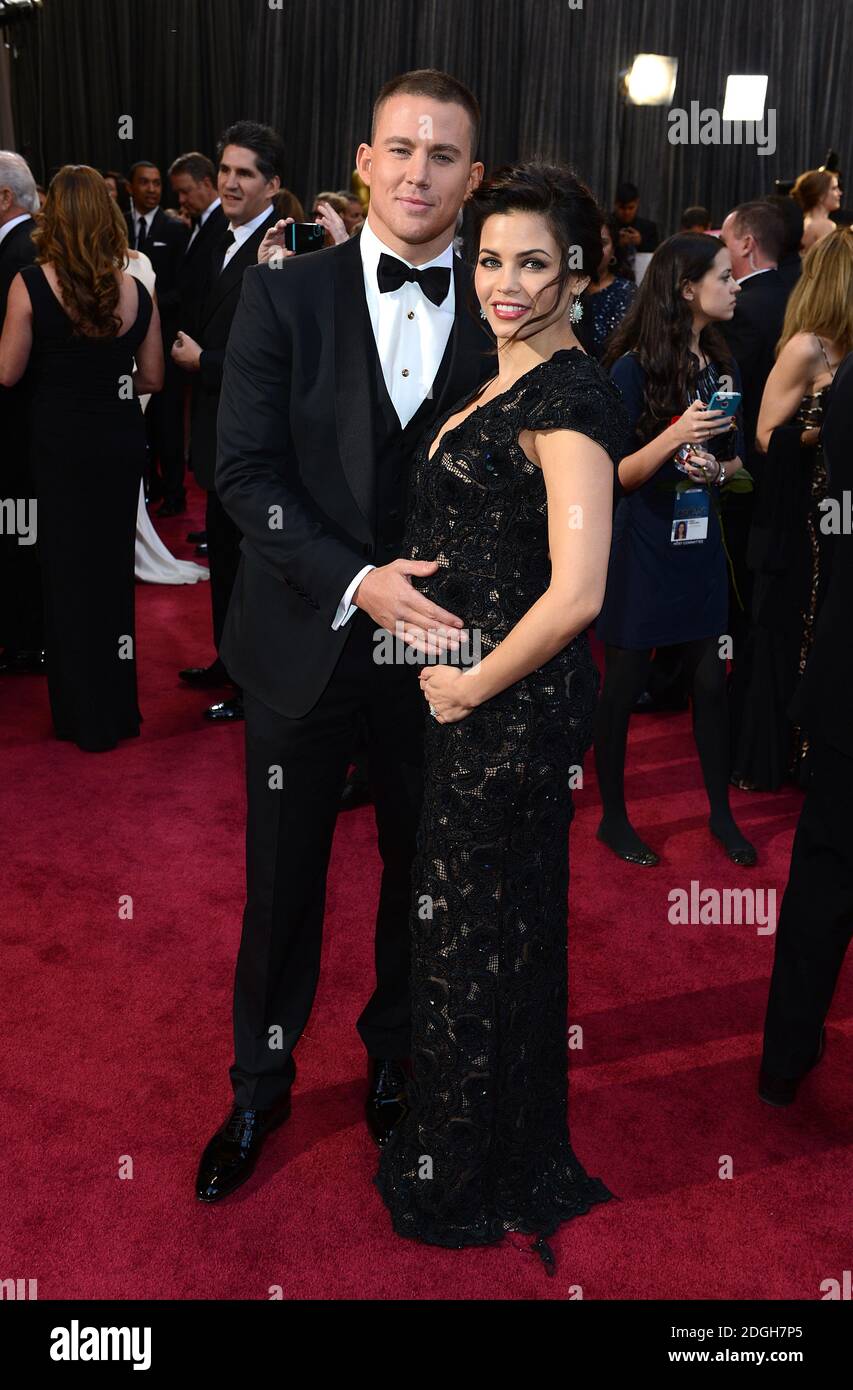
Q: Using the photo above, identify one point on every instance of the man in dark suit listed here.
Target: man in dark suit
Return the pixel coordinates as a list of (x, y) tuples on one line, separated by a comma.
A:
[(194, 182), (635, 233), (816, 918), (338, 364), (164, 240), (754, 233), (21, 614), (251, 160)]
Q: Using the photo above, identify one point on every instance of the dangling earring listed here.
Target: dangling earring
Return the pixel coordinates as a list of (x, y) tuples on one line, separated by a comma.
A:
[(483, 314), (576, 312)]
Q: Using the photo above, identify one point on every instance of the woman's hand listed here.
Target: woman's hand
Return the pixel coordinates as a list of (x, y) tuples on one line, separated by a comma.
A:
[(449, 690), (273, 244), (701, 466), (333, 223), (698, 423)]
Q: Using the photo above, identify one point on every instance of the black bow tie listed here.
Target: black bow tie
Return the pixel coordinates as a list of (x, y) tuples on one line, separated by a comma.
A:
[(392, 273)]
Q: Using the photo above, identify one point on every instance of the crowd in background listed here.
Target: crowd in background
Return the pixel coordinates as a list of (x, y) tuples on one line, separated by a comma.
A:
[(115, 285)]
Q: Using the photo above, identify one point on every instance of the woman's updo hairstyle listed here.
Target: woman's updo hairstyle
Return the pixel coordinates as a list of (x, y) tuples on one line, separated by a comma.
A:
[(566, 203)]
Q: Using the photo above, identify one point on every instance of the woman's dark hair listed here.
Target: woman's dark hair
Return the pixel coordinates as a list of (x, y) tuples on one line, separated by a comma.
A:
[(657, 329), (573, 216), (122, 191), (621, 264)]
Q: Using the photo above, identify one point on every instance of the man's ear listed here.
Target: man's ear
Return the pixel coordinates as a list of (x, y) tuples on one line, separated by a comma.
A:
[(364, 162)]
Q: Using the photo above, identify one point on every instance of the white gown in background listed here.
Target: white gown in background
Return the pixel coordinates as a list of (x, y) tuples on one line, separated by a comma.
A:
[(155, 564)]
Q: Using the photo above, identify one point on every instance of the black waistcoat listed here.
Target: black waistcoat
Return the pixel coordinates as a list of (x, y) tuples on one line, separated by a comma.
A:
[(394, 450)]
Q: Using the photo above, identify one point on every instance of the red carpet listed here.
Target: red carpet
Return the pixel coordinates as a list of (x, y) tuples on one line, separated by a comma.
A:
[(118, 1037)]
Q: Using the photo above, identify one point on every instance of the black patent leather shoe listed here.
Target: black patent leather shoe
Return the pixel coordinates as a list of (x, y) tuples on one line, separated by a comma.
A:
[(228, 712), (23, 663), (235, 1148), (206, 677), (201, 549), (782, 1090), (386, 1096), (197, 537)]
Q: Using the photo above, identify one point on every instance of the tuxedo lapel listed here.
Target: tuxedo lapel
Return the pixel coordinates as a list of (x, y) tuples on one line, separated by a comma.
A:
[(470, 345), (224, 281), (353, 397)]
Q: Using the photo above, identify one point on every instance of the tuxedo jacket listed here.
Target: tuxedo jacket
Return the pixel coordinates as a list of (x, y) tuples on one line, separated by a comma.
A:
[(165, 245), (213, 325), (296, 433), (752, 334), (196, 270), (822, 704)]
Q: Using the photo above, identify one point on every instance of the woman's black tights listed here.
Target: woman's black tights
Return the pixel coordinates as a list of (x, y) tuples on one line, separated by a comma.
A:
[(624, 679)]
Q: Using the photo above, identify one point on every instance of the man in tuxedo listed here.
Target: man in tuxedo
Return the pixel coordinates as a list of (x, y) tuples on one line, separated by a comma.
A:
[(338, 364), (635, 233), (21, 614), (251, 160), (816, 917), (754, 233), (164, 240), (194, 182)]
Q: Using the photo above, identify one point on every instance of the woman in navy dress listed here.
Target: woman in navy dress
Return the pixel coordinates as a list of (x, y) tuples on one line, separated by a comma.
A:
[(667, 581), (609, 296), (90, 337)]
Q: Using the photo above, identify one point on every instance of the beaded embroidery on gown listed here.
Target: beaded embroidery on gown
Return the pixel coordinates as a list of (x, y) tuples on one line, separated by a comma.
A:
[(484, 1148)]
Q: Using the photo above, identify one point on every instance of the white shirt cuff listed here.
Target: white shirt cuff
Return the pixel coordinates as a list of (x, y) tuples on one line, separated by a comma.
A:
[(346, 607)]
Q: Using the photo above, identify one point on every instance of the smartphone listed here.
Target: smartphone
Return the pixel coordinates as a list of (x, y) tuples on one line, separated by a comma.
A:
[(304, 236), (725, 400)]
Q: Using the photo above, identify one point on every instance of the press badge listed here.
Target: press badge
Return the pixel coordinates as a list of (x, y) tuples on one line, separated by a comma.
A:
[(690, 516)]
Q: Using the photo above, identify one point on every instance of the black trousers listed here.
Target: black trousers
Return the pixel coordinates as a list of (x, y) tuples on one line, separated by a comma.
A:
[(164, 430), (816, 917), (290, 825), (223, 556)]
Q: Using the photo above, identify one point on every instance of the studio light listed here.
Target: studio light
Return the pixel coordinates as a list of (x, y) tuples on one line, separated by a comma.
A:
[(745, 96), (650, 81), (17, 9)]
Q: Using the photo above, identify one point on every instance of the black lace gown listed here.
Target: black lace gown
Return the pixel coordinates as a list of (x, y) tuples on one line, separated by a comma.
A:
[(485, 1146)]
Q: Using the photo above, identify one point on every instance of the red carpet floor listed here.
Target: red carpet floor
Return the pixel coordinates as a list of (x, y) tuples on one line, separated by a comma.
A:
[(117, 1036)]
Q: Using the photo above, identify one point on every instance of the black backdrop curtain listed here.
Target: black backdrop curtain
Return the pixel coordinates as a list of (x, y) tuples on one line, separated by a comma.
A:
[(546, 74)]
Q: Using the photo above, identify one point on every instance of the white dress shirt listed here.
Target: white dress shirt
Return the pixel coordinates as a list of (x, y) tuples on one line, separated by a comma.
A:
[(762, 270), (411, 336), (138, 218), (13, 222), (202, 219), (243, 233)]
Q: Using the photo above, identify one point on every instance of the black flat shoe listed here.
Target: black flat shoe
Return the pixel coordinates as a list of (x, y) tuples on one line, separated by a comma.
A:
[(206, 677), (229, 711), (782, 1090), (643, 855), (386, 1096), (647, 703), (746, 855), (201, 549), (235, 1148), (196, 537)]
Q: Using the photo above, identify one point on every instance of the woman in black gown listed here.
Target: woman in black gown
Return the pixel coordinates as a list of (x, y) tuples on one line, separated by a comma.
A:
[(77, 323), (512, 496)]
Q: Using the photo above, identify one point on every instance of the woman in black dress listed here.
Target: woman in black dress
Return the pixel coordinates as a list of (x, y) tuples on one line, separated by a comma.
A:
[(789, 541), (512, 495), (667, 584), (78, 323)]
